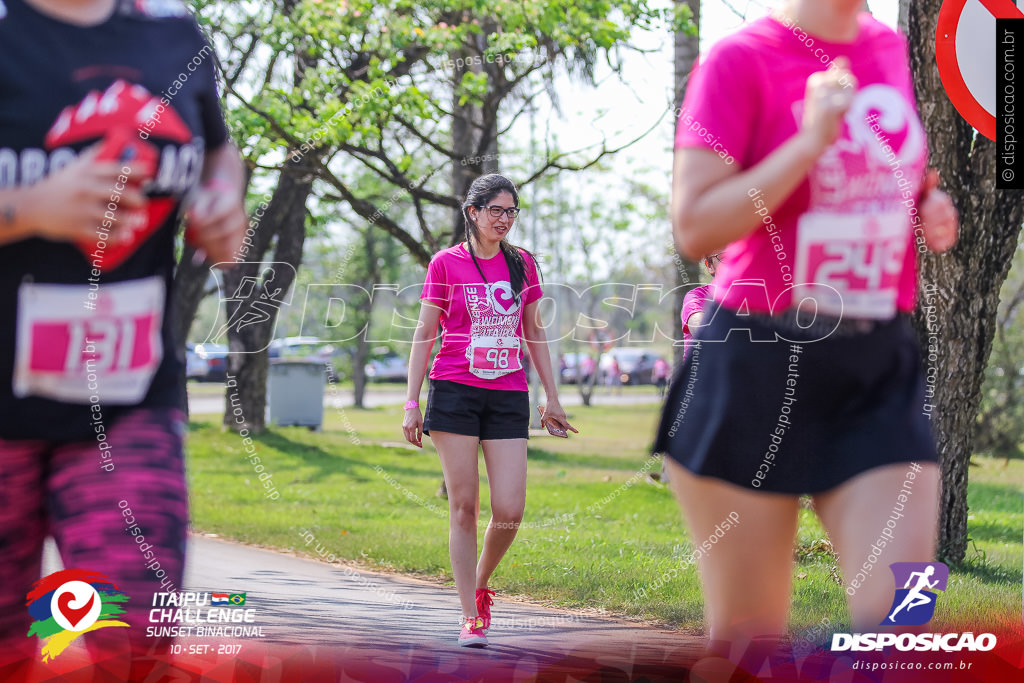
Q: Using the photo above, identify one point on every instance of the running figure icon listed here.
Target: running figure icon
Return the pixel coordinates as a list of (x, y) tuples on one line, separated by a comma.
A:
[(914, 603), (916, 597)]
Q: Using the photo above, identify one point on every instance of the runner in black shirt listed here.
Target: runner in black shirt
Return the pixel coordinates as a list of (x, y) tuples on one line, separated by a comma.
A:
[(110, 125)]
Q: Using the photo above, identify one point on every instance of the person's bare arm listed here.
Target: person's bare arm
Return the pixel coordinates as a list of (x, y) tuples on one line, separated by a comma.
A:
[(70, 204), (216, 218), (537, 341), (711, 200), (939, 218), (419, 356)]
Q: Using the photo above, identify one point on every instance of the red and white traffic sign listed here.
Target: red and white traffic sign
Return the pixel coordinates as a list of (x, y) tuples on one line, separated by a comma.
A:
[(965, 51)]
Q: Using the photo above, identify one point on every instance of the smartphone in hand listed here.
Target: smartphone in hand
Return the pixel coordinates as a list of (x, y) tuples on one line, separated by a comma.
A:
[(553, 428)]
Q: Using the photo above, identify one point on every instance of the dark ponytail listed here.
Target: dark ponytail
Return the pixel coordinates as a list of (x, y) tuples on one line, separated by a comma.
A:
[(481, 193)]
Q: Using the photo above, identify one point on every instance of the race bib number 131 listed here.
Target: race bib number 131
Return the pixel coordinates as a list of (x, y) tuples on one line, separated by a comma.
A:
[(74, 344)]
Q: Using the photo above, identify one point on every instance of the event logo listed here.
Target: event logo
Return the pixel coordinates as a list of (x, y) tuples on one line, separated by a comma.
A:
[(68, 603), (503, 299), (202, 614), (914, 604)]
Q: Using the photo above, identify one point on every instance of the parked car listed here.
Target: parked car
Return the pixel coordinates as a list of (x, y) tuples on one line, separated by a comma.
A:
[(195, 367), (308, 349), (569, 367), (387, 368), (635, 364), (216, 357)]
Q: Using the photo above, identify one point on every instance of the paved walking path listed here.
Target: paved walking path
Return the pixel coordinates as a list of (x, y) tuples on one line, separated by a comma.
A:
[(405, 624)]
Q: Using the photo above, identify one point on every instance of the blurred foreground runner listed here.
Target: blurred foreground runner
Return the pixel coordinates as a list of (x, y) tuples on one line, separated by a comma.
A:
[(109, 118), (800, 153)]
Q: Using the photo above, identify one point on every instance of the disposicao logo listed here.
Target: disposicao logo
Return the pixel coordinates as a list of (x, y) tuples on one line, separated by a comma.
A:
[(68, 603), (913, 604)]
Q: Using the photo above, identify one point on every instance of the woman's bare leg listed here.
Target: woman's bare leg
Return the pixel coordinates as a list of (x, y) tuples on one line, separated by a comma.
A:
[(747, 570), (462, 477), (855, 514), (506, 474)]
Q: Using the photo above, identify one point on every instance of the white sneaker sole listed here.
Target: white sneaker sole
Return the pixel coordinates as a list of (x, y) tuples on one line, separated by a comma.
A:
[(473, 642)]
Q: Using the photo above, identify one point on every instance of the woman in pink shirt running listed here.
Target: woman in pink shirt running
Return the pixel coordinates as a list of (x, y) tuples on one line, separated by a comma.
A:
[(799, 151), (484, 293)]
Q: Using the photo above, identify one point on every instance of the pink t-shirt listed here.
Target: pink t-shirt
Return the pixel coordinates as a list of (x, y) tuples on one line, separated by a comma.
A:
[(481, 322), (850, 226), (693, 302)]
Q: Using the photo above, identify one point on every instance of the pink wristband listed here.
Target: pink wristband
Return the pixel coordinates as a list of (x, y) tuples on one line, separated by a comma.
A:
[(409, 405)]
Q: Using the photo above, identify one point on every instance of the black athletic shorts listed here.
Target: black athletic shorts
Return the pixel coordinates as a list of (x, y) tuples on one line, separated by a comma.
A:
[(484, 413), (796, 417)]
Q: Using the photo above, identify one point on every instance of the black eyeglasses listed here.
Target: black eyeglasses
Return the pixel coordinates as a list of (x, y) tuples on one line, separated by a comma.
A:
[(498, 211)]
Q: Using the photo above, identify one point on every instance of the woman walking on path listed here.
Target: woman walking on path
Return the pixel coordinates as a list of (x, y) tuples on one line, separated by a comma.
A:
[(484, 293)]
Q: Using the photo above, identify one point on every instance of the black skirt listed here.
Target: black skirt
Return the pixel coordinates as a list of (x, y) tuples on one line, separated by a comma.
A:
[(800, 416)]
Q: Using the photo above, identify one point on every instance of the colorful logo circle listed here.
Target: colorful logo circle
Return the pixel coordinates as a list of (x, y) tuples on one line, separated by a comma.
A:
[(68, 603)]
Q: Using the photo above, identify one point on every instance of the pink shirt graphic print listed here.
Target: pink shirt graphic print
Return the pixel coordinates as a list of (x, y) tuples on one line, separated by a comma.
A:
[(846, 236), (481, 321)]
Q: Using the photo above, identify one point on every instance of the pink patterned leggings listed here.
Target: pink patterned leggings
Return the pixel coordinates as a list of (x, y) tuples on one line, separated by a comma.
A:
[(61, 489)]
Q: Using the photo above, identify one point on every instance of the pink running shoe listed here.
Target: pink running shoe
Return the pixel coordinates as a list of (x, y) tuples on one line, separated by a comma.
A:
[(483, 605), (472, 634)]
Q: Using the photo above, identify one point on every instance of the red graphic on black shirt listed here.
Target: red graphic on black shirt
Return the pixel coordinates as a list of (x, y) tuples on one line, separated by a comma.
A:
[(115, 117)]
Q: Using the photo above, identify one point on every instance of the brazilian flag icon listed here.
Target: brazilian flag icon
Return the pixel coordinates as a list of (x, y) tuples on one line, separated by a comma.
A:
[(237, 598)]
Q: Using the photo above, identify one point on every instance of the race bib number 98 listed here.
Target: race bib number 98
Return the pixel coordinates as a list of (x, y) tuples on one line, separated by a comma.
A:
[(74, 344), (860, 257), (491, 357)]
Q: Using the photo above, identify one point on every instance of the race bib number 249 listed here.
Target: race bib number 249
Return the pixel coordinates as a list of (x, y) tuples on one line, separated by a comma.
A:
[(860, 257)]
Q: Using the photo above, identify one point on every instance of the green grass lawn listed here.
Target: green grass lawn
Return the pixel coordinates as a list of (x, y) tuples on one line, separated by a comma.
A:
[(595, 531)]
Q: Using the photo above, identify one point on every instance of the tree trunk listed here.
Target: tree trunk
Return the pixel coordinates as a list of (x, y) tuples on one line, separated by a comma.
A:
[(465, 170), (686, 50), (586, 384), (256, 290), (962, 285), (359, 358), (365, 313), (475, 147), (188, 290)]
